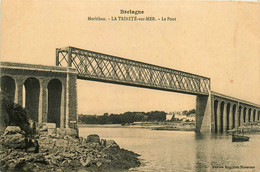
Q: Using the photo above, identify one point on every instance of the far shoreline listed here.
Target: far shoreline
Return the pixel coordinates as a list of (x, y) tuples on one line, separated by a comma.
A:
[(173, 126), (165, 126)]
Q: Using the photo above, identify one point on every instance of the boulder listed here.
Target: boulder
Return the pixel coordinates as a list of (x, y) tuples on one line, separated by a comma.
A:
[(61, 143), (93, 138), (61, 131), (103, 142), (111, 143), (81, 139), (49, 125), (43, 128), (99, 164), (16, 141), (86, 163), (52, 131), (12, 130), (71, 132), (67, 131)]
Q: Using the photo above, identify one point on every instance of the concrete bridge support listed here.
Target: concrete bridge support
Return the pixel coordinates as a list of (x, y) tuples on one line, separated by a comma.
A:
[(229, 117), (203, 114), (232, 115), (42, 100), (219, 117), (247, 115), (237, 116), (242, 116), (252, 119), (19, 91), (255, 115), (225, 122)]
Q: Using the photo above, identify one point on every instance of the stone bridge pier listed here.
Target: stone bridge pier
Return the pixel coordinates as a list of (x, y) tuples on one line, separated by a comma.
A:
[(48, 93), (219, 113)]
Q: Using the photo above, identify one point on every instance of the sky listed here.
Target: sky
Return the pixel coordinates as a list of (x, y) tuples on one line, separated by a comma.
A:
[(219, 40)]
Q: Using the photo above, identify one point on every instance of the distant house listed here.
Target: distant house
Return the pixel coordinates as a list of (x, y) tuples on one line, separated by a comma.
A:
[(179, 116), (191, 117)]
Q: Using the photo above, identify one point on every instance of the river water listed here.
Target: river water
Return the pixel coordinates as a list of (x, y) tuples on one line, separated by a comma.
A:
[(182, 150)]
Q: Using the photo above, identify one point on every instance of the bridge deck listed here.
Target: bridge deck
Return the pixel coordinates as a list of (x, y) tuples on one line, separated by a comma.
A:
[(106, 68), (234, 99)]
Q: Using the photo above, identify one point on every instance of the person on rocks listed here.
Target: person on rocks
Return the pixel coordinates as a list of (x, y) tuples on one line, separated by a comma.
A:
[(36, 144), (26, 144)]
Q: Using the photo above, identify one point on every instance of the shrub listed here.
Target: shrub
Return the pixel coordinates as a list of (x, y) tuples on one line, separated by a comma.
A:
[(16, 115)]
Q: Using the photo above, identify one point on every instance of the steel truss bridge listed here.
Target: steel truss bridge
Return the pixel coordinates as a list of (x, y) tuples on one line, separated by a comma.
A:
[(96, 66), (215, 112)]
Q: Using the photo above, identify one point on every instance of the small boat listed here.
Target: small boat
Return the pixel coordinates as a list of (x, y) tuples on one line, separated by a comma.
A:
[(239, 138)]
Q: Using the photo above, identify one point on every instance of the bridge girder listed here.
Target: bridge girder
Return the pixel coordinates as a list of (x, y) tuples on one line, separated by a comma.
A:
[(106, 68)]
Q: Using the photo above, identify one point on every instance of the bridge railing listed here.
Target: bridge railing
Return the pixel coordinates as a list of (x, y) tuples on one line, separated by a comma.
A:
[(106, 68)]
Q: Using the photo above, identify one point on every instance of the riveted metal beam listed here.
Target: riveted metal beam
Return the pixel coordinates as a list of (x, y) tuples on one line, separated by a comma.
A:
[(107, 68)]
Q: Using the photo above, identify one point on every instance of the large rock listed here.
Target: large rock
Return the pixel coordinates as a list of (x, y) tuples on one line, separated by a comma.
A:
[(52, 131), (12, 130), (67, 131), (43, 128), (86, 163), (61, 143), (16, 141), (50, 125), (94, 138), (15, 138), (111, 143)]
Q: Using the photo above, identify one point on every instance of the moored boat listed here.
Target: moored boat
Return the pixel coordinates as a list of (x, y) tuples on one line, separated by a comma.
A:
[(239, 138)]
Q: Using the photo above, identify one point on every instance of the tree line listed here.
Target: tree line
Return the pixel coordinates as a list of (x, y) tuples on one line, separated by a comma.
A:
[(187, 113), (127, 117)]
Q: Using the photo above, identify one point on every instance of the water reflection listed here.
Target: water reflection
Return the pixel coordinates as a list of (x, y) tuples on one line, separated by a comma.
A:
[(217, 152), (183, 151), (199, 136), (201, 152)]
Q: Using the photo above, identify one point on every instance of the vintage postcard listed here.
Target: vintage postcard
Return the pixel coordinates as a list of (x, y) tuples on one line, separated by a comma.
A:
[(130, 85)]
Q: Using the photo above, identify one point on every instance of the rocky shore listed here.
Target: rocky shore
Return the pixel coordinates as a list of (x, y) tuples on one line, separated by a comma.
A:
[(61, 150)]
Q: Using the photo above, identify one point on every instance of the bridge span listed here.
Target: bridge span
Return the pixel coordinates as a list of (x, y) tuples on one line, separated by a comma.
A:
[(106, 68), (50, 92)]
